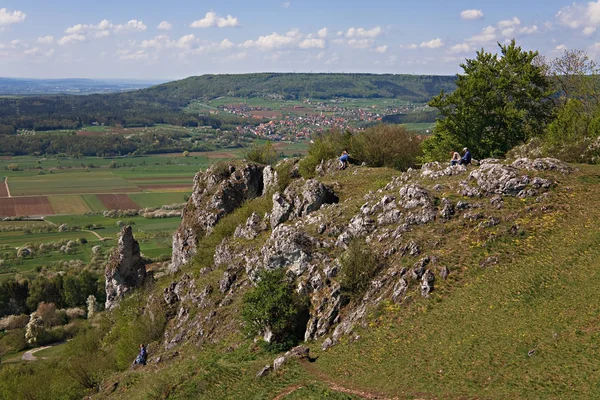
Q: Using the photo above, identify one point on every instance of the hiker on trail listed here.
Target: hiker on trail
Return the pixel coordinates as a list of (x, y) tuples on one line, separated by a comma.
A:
[(344, 159), (141, 357), (455, 158), (466, 158)]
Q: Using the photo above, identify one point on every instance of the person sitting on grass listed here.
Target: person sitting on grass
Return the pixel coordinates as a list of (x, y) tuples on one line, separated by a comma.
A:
[(142, 356), (455, 158), (344, 159), (466, 158)]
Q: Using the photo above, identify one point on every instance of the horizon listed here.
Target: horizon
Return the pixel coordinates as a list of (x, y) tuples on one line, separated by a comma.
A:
[(156, 41)]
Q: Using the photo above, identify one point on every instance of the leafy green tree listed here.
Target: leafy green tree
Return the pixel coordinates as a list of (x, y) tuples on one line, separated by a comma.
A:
[(499, 102), (274, 305)]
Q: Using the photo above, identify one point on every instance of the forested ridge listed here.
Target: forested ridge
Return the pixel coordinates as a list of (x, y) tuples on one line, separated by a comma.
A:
[(164, 103)]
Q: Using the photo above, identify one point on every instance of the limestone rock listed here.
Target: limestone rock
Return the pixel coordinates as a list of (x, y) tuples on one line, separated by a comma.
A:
[(299, 200), (216, 193), (499, 179), (542, 164), (288, 247), (427, 282), (254, 225), (125, 270)]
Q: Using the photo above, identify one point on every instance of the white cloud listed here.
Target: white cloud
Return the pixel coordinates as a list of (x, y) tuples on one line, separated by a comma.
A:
[(576, 16), (364, 33), (158, 42), (270, 42), (322, 32), (411, 46), (7, 17), (312, 44), (46, 39), (488, 34), (432, 44), (360, 43), (225, 44), (132, 26), (104, 28), (186, 41), (73, 38), (286, 4), (133, 56), (381, 49), (460, 48), (509, 23), (211, 20), (560, 47), (471, 14), (164, 26), (529, 30)]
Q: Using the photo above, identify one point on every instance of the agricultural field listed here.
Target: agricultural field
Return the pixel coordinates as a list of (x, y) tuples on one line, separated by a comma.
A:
[(73, 193)]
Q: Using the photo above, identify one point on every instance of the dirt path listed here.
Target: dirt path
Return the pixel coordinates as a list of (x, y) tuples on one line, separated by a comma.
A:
[(102, 239), (7, 188), (28, 355), (336, 387)]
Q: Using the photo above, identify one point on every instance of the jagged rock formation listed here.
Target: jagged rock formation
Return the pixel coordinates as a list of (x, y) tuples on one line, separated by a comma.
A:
[(216, 193), (125, 270), (307, 232)]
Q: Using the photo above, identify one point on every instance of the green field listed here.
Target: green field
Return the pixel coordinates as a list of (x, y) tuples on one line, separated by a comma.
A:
[(157, 199)]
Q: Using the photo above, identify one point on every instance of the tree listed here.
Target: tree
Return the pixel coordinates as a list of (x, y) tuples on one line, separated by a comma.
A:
[(275, 309), (499, 102)]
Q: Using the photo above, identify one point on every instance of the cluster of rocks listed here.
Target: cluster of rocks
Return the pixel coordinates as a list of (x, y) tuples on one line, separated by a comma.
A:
[(308, 255)]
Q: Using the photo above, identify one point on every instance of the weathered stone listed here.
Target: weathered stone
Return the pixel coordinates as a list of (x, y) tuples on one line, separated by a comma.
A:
[(542, 164), (427, 282), (497, 201), (489, 262), (327, 343), (289, 248), (399, 290), (227, 280), (125, 270), (447, 210), (418, 205), (254, 225), (264, 371), (499, 179), (411, 248), (418, 268), (444, 272), (216, 193)]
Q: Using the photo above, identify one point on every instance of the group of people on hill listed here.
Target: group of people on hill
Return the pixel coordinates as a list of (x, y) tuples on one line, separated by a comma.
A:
[(457, 159)]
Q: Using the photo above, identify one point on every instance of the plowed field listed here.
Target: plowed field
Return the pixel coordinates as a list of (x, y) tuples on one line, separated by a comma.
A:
[(117, 201), (37, 205)]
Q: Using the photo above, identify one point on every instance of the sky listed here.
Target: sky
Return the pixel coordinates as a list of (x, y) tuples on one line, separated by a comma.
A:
[(167, 40)]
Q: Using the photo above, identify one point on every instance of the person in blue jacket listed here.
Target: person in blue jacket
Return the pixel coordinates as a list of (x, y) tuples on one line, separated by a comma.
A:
[(466, 158), (142, 356), (344, 159)]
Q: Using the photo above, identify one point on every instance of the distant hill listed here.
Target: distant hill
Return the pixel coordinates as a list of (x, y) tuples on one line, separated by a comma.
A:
[(21, 86), (291, 86), (164, 103)]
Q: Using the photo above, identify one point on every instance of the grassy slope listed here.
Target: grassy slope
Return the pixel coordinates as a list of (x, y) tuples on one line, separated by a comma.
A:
[(474, 337), (527, 328)]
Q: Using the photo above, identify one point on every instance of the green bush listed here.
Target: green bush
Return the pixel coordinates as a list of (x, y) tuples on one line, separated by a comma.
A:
[(324, 147), (264, 154), (391, 146), (275, 305), (359, 265)]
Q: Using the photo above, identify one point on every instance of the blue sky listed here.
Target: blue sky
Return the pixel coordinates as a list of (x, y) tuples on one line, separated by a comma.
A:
[(158, 39)]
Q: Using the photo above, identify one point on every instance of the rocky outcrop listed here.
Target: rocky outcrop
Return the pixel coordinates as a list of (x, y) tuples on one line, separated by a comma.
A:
[(216, 193), (300, 199), (125, 270), (288, 248), (542, 164)]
